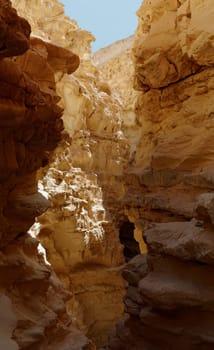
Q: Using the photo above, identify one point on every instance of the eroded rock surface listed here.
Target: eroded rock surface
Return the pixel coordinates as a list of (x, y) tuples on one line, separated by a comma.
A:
[(116, 66), (139, 161), (84, 182), (171, 306), (33, 313)]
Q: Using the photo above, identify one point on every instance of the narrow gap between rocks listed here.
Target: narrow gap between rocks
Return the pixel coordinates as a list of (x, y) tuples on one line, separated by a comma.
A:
[(131, 246)]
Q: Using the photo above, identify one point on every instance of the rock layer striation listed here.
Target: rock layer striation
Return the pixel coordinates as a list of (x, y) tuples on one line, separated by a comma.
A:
[(170, 306), (129, 162), (30, 128), (84, 181)]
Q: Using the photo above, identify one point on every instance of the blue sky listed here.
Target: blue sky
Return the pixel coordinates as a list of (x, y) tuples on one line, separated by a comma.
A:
[(108, 20)]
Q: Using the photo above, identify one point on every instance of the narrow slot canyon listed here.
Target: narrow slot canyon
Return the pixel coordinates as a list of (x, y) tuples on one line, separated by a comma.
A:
[(127, 239), (107, 180)]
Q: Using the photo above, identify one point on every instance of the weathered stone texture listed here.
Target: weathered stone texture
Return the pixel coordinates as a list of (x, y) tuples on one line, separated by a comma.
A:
[(142, 157), (84, 182), (171, 307), (33, 314)]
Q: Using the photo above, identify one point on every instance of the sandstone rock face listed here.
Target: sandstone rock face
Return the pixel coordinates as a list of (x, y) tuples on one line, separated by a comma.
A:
[(129, 162), (84, 182), (82, 245), (32, 300), (170, 305), (174, 69), (15, 31), (116, 67)]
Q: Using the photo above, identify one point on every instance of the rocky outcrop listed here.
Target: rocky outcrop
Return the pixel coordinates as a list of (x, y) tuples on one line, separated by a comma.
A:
[(175, 89), (170, 306), (30, 129), (82, 246), (84, 182), (15, 32), (116, 67), (98, 190)]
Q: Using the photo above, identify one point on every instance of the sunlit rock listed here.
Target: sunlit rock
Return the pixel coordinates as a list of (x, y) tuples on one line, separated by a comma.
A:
[(84, 183), (32, 302), (173, 59)]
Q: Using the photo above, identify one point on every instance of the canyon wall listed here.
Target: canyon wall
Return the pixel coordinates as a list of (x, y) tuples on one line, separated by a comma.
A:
[(97, 162), (169, 301), (84, 181), (116, 67), (32, 298)]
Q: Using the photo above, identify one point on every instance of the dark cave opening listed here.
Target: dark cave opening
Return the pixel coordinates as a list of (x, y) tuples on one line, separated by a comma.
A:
[(131, 246)]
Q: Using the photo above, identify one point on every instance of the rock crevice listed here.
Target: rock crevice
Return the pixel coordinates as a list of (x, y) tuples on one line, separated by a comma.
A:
[(94, 166), (174, 161)]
